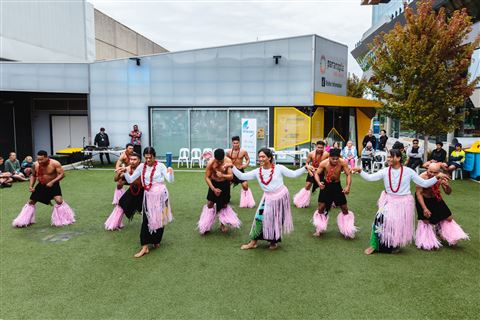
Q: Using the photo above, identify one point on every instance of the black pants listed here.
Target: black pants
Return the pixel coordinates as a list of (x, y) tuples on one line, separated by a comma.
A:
[(138, 149), (149, 238), (107, 155), (366, 163), (413, 163)]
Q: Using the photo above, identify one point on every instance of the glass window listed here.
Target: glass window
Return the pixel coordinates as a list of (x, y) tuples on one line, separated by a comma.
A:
[(170, 130), (208, 129)]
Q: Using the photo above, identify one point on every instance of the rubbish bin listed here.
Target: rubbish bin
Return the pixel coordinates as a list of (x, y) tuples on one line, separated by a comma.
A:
[(472, 160)]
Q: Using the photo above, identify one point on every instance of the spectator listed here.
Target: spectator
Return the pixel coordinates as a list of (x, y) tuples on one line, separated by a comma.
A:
[(457, 157), (368, 154), (336, 145), (370, 137), (399, 146), (27, 165), (437, 156), (5, 177), (415, 155), (12, 165), (327, 147), (382, 141), (136, 139), (101, 141), (349, 153)]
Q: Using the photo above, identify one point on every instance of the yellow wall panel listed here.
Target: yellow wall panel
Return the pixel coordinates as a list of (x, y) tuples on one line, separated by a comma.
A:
[(363, 124), (318, 120), (291, 127)]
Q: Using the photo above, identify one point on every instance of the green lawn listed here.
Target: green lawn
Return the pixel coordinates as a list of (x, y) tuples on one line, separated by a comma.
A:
[(94, 276)]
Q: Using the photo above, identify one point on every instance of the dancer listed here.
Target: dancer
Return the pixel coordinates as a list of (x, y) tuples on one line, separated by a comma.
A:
[(218, 176), (48, 172), (394, 222), (156, 209), (302, 198), (273, 216), (433, 211), (131, 201), (123, 161), (331, 191), (237, 156)]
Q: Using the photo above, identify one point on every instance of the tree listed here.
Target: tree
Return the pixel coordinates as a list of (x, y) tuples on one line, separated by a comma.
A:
[(356, 87), (420, 69)]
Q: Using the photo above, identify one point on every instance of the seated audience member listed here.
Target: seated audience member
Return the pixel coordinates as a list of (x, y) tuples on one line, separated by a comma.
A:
[(456, 159), (415, 155), (27, 165), (349, 153), (368, 154), (437, 156), (5, 177), (12, 165)]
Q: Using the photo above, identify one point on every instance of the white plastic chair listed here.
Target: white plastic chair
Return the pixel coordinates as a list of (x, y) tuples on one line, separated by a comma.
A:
[(455, 172), (196, 155), (304, 156), (207, 154), (183, 156)]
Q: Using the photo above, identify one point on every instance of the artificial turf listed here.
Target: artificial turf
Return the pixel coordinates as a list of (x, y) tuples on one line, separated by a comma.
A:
[(84, 272)]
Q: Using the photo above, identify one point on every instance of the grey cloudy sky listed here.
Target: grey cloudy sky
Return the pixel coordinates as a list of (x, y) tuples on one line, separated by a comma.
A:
[(180, 25)]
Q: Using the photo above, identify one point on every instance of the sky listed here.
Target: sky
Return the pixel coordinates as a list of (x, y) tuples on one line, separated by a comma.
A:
[(181, 25)]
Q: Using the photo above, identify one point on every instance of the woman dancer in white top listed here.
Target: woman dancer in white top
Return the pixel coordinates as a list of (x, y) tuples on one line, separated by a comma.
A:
[(394, 223), (273, 216), (156, 204)]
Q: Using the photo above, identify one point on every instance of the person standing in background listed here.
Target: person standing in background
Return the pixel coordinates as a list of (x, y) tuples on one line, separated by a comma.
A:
[(101, 141), (136, 139), (382, 140)]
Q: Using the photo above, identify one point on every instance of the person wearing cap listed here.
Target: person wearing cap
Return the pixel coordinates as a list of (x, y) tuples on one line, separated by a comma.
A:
[(218, 176), (438, 155), (102, 142), (456, 159)]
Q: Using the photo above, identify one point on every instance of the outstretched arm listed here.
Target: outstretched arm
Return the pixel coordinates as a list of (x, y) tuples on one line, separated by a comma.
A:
[(291, 173), (422, 182), (250, 175), (370, 177)]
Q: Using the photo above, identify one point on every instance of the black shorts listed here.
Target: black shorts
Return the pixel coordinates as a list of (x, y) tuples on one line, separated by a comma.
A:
[(456, 164), (314, 183), (235, 180), (332, 193), (130, 202), (45, 194), (224, 198), (439, 210)]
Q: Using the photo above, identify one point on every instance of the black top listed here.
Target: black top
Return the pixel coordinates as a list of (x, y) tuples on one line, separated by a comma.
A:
[(101, 140), (382, 142), (372, 139), (438, 156)]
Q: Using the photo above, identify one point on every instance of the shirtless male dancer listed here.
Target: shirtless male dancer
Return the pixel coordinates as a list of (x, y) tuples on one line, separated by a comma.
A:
[(218, 175), (122, 161), (302, 198), (237, 156), (48, 172), (331, 191), (433, 213)]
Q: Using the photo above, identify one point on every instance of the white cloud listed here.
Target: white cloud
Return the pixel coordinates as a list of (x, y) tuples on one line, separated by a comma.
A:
[(182, 25)]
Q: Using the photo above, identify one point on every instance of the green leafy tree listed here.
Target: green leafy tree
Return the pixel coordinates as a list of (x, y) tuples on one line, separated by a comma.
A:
[(356, 87), (420, 69)]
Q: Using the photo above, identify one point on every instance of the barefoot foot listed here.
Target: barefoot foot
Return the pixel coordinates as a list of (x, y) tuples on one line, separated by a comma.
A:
[(250, 245), (142, 252), (369, 251)]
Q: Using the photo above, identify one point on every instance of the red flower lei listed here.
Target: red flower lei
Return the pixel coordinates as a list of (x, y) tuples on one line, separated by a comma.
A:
[(436, 191), (139, 187), (390, 179), (271, 175), (315, 161), (147, 187), (328, 177), (40, 171)]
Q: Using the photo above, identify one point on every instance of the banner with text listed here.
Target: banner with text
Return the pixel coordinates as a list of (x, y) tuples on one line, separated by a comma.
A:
[(249, 139)]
